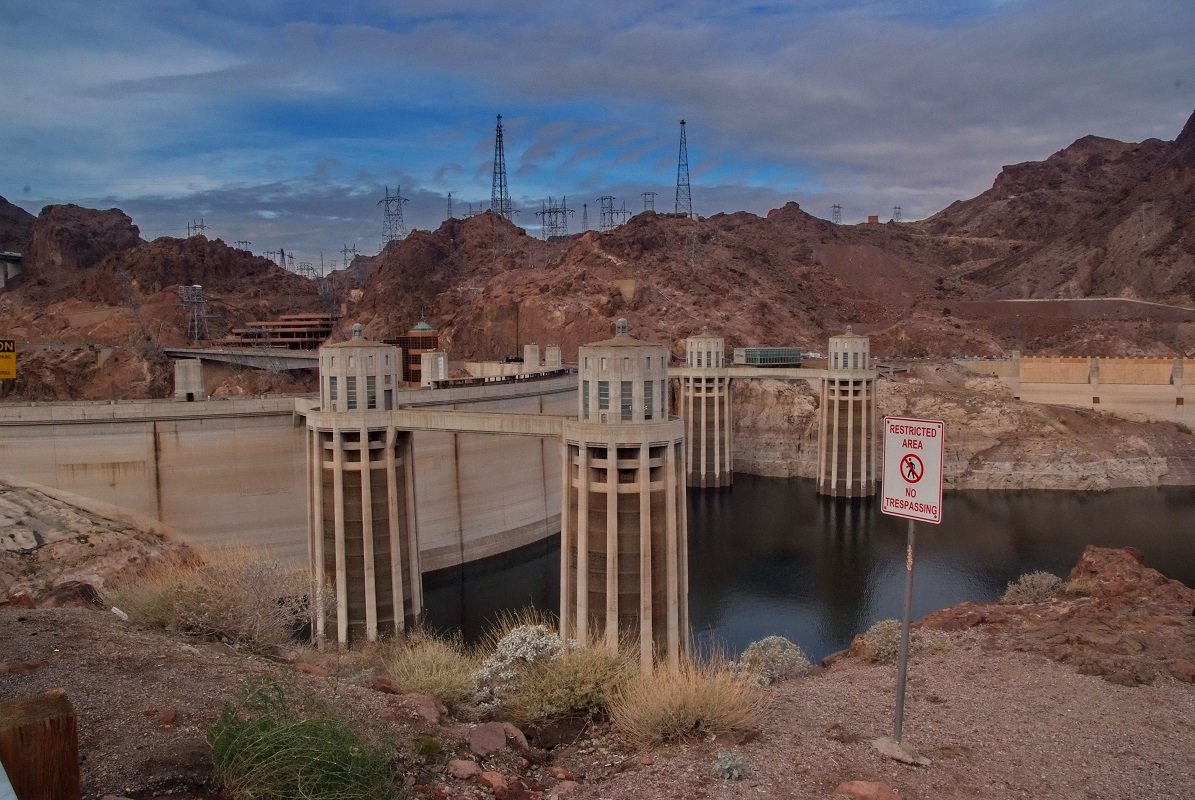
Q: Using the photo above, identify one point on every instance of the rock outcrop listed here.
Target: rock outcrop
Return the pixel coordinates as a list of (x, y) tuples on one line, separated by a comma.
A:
[(1115, 618), (16, 224)]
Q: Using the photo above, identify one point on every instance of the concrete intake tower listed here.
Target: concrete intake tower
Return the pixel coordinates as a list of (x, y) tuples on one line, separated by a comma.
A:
[(846, 455), (362, 530), (624, 550), (705, 408)]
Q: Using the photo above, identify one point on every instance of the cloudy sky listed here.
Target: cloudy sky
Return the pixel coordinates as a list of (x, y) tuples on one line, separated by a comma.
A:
[(281, 122)]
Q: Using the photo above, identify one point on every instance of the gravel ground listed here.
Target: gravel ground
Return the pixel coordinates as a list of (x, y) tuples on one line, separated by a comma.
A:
[(995, 723)]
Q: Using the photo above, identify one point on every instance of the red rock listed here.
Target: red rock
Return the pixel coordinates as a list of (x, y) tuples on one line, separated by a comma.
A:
[(425, 707), (494, 780), (866, 790), (489, 737), (167, 717), (382, 683), (563, 788), (312, 669), (562, 774), (513, 734), (19, 599), (463, 769)]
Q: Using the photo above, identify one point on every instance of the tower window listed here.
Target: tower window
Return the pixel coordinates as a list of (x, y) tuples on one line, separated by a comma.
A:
[(371, 391), (332, 391), (647, 400), (603, 395), (584, 400), (626, 400), (350, 393)]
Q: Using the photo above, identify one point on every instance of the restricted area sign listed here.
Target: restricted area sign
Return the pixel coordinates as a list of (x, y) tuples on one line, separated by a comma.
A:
[(8, 359), (913, 468)]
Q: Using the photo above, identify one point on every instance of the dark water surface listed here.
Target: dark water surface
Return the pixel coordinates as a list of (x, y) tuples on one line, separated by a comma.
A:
[(769, 556)]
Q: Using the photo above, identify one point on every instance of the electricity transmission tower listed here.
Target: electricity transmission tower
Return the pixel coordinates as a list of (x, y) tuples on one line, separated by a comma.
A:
[(554, 219), (393, 227), (194, 228), (836, 214), (499, 194), (649, 201), (896, 213), (584, 217), (349, 254), (242, 244), (684, 199), (192, 299), (449, 206)]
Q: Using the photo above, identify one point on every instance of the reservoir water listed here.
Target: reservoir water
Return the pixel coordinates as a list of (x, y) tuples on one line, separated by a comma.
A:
[(769, 556)]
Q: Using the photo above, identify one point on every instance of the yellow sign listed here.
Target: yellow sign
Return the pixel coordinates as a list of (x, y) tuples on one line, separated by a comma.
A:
[(8, 359)]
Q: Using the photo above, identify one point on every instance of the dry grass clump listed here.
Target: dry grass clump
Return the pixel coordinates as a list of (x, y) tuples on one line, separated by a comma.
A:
[(1032, 587), (692, 700), (231, 594), (582, 682), (429, 664)]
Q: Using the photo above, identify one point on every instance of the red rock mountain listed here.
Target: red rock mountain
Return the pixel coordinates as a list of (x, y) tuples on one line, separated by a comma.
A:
[(1098, 219), (15, 226)]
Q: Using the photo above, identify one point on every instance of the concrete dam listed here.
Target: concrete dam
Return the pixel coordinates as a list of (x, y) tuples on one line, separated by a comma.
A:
[(234, 471)]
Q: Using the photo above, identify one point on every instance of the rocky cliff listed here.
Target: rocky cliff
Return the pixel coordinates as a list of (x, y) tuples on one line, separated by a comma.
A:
[(994, 442), (16, 224)]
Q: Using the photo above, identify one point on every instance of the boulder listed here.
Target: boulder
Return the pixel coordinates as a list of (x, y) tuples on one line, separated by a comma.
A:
[(463, 769), (486, 738)]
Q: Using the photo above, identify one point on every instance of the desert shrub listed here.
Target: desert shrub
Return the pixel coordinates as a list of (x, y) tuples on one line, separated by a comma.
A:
[(514, 653), (274, 742), (694, 699), (231, 594), (580, 682), (881, 643), (773, 659), (730, 766), (432, 665), (1032, 587)]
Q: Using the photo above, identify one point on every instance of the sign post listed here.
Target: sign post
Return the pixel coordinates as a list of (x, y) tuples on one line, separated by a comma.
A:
[(8, 359), (912, 489)]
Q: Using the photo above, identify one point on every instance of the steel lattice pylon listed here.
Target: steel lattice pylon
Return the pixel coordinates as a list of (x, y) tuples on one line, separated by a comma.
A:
[(393, 227), (499, 195), (684, 198)]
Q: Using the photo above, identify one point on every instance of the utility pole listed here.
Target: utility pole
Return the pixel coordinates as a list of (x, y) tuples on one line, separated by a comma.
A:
[(449, 206)]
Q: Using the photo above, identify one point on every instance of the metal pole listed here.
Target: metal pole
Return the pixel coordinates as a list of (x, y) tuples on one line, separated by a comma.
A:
[(903, 661)]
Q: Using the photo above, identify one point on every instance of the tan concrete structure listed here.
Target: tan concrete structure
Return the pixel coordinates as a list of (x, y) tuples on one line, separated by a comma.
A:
[(433, 366), (552, 358), (362, 530), (188, 380), (846, 459), (624, 549), (1163, 388), (705, 408)]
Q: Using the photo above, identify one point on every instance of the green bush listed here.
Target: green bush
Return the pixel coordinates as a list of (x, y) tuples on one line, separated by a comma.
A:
[(881, 643), (730, 766), (773, 659), (582, 682), (277, 744), (431, 665), (1033, 587)]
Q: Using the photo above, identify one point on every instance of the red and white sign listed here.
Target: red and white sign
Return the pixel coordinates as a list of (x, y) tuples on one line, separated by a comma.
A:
[(913, 468)]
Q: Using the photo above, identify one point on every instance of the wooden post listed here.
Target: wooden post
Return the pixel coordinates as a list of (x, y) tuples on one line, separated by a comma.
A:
[(39, 746)]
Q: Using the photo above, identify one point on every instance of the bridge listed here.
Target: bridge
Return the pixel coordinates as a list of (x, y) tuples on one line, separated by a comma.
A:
[(274, 359)]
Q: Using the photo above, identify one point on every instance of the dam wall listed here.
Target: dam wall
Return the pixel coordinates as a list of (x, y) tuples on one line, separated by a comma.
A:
[(234, 471)]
